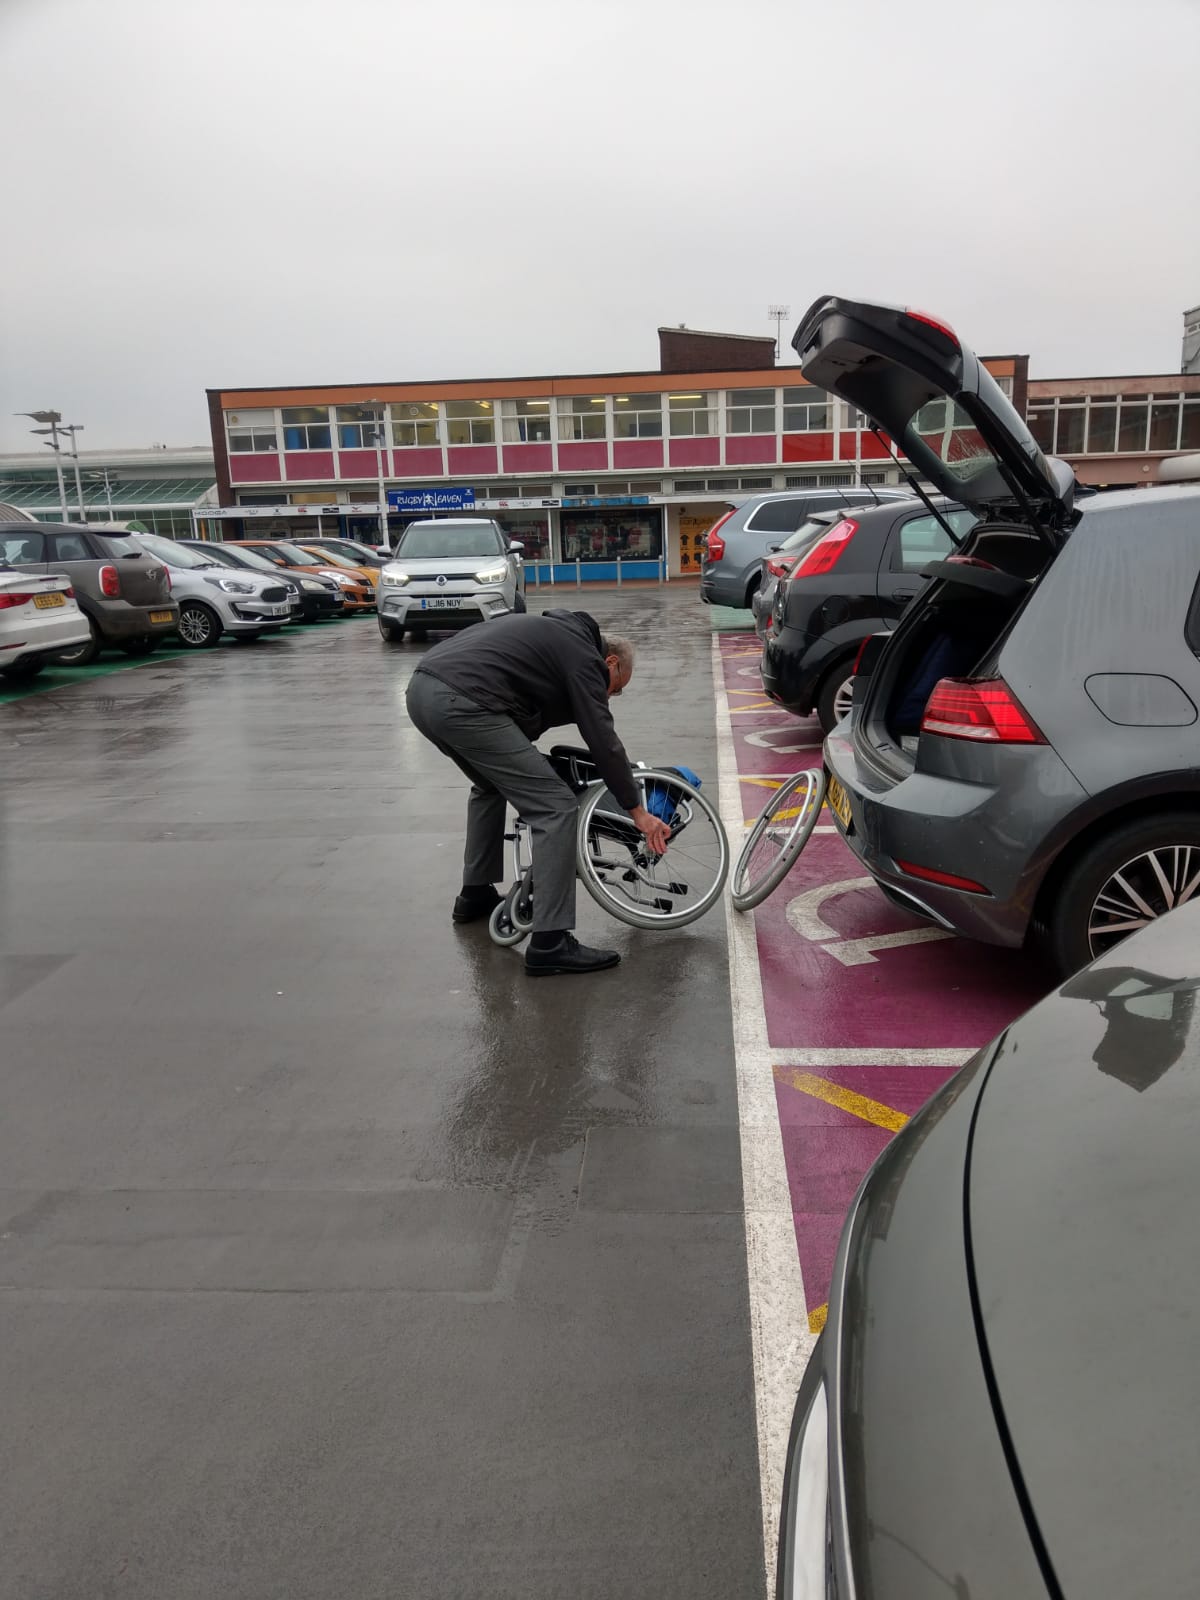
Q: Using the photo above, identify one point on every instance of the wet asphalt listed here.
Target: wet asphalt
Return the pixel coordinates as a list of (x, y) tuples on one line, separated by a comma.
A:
[(338, 1260)]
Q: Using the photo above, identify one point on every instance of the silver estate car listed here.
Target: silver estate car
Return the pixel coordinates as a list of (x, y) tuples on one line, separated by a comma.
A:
[(449, 573)]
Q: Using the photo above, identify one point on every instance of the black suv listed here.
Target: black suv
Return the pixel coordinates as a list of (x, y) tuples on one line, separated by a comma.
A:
[(852, 577)]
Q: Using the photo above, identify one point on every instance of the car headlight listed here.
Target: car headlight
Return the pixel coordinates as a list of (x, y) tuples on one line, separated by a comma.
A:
[(495, 574), (804, 1548), (393, 575), (232, 586), (311, 586)]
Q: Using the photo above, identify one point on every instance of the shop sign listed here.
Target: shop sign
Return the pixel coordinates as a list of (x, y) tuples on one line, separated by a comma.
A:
[(431, 499)]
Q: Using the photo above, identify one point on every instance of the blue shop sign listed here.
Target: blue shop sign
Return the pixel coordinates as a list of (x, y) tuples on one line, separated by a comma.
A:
[(431, 499)]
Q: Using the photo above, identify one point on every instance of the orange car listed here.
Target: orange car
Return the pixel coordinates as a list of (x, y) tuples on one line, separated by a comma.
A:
[(326, 550), (357, 589)]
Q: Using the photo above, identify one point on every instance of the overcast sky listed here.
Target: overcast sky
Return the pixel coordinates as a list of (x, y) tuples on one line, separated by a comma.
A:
[(205, 193)]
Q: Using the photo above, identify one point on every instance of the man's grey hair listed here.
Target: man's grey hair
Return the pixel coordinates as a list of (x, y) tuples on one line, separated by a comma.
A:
[(623, 649)]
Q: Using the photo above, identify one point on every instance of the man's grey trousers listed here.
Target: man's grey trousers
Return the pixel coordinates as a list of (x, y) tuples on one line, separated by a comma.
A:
[(505, 770)]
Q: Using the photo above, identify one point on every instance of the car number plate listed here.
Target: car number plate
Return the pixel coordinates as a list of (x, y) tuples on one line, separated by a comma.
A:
[(46, 602), (162, 616), (440, 605), (838, 801), (278, 611)]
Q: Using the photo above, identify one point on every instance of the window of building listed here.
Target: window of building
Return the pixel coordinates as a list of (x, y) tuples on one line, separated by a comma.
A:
[(1005, 385), (807, 410), (1041, 426), (574, 489), (414, 422), (633, 533), (1189, 432), (1164, 423), (646, 486), (1069, 439), (750, 411), (693, 415), (306, 428), (251, 431), (1102, 428), (637, 416), (359, 428), (581, 416), (470, 422), (1135, 415), (526, 421), (535, 491), (756, 483)]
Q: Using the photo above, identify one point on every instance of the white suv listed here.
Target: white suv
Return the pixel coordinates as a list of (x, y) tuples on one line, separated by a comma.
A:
[(448, 573)]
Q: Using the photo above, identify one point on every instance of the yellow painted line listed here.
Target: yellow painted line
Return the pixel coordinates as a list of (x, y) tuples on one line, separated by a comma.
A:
[(816, 1319), (764, 783), (858, 1105), (744, 691), (759, 705)]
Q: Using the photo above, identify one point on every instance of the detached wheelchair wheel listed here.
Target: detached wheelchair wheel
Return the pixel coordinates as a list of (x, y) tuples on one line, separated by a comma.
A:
[(777, 839), (621, 872)]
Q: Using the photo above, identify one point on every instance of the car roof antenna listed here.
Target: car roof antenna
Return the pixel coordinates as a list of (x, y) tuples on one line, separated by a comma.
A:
[(911, 481)]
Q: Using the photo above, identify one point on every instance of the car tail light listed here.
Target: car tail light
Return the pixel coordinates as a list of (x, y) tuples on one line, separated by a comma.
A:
[(985, 711), (167, 576), (780, 566), (110, 581), (713, 540), (828, 550), (949, 880), (935, 323), (10, 600), (69, 591)]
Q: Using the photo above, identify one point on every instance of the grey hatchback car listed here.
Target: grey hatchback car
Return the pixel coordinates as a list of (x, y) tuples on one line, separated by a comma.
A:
[(732, 556), (122, 590), (1023, 752), (449, 573)]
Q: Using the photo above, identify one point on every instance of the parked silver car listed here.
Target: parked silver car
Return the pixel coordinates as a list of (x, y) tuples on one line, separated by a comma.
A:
[(213, 599), (449, 573)]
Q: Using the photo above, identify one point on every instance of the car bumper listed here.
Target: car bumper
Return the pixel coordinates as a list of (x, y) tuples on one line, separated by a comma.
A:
[(117, 619), (433, 609), (719, 589), (792, 666), (43, 633), (988, 826)]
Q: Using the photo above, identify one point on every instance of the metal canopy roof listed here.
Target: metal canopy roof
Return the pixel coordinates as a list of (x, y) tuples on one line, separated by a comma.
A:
[(128, 494)]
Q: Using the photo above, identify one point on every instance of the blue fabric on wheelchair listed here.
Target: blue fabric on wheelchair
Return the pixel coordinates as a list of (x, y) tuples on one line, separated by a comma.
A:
[(659, 802)]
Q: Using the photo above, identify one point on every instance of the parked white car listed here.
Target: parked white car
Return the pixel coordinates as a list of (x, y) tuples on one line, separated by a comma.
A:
[(213, 599), (38, 618)]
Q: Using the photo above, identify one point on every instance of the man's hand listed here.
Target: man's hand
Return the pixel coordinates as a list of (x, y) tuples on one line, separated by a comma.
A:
[(653, 829)]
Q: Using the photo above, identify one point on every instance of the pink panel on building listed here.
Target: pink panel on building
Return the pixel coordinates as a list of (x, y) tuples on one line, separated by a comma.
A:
[(695, 452), (262, 468), (810, 446), (873, 449), (423, 461), (583, 455), (308, 466), (359, 464), (529, 458), (743, 448), (465, 460), (637, 453), (845, 447)]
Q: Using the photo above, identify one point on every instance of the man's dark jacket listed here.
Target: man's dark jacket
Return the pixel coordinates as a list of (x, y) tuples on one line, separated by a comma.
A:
[(543, 672)]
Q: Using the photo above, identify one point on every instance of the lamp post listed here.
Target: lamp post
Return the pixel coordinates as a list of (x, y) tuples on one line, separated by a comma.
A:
[(73, 428), (379, 450), (53, 418)]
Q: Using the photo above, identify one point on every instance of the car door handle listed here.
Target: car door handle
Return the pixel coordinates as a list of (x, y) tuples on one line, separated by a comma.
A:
[(903, 594)]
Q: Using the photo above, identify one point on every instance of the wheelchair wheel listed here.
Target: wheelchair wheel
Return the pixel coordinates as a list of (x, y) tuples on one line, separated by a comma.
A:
[(777, 839), (503, 924), (624, 876)]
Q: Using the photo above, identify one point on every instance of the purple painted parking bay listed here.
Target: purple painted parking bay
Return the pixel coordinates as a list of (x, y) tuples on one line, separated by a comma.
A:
[(868, 1010)]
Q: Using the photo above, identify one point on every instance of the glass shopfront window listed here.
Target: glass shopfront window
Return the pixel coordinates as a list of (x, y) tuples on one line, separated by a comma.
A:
[(533, 532), (581, 416), (634, 533)]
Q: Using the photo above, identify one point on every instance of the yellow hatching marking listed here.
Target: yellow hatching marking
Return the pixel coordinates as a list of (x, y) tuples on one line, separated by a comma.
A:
[(816, 1319), (858, 1105)]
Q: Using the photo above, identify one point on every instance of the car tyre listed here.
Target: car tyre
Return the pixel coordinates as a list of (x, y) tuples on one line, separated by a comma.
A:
[(390, 632), (1107, 877), (21, 671), (752, 589), (145, 646), (83, 654), (199, 626), (833, 697)]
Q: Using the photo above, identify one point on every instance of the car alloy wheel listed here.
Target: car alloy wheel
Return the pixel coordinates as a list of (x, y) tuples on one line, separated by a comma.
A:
[(1143, 889), (197, 627), (844, 698)]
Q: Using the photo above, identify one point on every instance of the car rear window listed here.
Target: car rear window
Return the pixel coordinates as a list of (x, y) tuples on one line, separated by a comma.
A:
[(114, 545), (777, 516), (431, 544), (22, 548)]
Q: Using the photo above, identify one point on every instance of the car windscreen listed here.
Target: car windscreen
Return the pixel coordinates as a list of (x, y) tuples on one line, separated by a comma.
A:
[(173, 554), (332, 558), (293, 556), (249, 558), (433, 544)]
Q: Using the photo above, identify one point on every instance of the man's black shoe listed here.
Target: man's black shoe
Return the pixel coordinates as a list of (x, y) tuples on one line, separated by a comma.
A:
[(568, 955), (474, 904)]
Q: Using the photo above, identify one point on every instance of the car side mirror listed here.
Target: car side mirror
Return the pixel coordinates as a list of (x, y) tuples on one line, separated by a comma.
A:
[(516, 547)]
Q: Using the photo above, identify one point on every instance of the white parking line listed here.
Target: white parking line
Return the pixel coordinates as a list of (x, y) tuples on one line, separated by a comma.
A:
[(779, 1330)]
